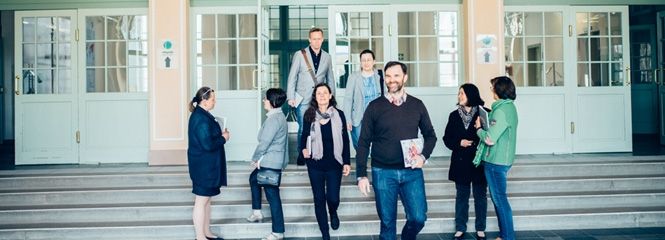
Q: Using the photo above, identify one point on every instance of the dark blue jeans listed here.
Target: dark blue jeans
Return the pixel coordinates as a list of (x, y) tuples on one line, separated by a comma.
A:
[(496, 180), (409, 184), (462, 205), (325, 188), (300, 114), (272, 195), (355, 135)]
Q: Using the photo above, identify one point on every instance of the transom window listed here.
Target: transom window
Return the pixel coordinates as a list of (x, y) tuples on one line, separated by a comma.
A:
[(116, 50)]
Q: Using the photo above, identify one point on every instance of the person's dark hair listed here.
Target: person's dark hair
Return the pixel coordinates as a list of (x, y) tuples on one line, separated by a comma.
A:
[(504, 87), (472, 95), (310, 114), (203, 93), (366, 51), (276, 97), (314, 29), (393, 63)]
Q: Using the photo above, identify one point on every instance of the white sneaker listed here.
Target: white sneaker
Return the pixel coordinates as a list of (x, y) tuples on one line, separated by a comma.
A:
[(255, 218), (274, 236)]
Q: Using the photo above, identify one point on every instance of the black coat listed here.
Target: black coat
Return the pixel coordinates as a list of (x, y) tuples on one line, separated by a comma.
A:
[(205, 153), (462, 169)]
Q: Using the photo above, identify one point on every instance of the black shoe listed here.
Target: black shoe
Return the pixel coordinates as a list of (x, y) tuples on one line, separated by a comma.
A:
[(217, 238), (461, 237), (481, 238), (334, 221)]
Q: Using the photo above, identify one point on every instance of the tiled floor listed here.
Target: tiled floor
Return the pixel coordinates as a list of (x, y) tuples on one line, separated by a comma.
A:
[(593, 234)]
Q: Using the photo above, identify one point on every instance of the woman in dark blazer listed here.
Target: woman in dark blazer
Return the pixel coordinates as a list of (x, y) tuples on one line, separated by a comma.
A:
[(327, 154), (460, 137), (206, 159)]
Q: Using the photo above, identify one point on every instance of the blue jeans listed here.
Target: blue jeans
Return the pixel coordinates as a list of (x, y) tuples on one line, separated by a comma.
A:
[(272, 195), (355, 135), (496, 181), (409, 184), (300, 114)]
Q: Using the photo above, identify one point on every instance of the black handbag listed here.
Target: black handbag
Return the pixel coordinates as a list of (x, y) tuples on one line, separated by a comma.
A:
[(268, 177)]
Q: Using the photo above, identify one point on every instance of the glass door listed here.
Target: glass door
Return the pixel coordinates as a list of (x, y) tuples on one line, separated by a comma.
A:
[(225, 58), (46, 117), (660, 75)]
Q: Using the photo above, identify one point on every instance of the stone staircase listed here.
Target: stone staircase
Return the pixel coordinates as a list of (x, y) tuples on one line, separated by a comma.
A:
[(140, 202)]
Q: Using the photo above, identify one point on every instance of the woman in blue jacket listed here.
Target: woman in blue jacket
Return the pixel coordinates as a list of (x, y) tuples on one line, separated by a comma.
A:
[(206, 159)]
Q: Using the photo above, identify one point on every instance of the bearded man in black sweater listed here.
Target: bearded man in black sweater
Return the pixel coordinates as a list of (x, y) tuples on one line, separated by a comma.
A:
[(387, 121)]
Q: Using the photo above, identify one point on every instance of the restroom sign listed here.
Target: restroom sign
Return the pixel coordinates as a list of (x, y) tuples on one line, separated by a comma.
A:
[(167, 57), (486, 49)]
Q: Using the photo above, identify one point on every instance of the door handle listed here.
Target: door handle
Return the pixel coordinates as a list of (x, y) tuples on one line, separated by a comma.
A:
[(655, 76), (627, 76), (572, 127), (255, 82), (16, 80)]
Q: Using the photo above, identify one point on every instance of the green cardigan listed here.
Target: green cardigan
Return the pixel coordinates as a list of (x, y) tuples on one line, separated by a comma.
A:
[(502, 132)]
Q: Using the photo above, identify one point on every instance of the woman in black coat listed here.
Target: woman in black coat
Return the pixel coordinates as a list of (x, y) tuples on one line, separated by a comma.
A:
[(206, 159), (460, 137)]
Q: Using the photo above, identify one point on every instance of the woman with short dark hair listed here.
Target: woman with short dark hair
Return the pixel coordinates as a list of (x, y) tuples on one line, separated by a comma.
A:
[(461, 138), (497, 151)]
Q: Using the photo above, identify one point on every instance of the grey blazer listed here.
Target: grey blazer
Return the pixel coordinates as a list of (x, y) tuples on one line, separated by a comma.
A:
[(300, 80), (273, 141), (354, 99)]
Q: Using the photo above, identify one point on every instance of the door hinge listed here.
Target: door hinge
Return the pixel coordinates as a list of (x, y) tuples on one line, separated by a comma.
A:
[(570, 30), (572, 127), (76, 35), (78, 136)]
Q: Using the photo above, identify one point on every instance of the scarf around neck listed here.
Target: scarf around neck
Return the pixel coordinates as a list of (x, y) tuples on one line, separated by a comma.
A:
[(467, 117), (332, 116)]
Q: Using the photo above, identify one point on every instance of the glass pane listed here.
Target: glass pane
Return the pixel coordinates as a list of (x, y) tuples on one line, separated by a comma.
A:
[(94, 52), (245, 74), (598, 24), (64, 81), (342, 71), (359, 24), (582, 24), (341, 24), (412, 72), (447, 23), (342, 49), (534, 73), (117, 53), (117, 28), (377, 48), (137, 54), (515, 71), (553, 23), (533, 24), (514, 24), (94, 28), (226, 26), (406, 49), (95, 80), (45, 55), (29, 55), (228, 78), (554, 75), (45, 81), (29, 29), (207, 76), (248, 51), (582, 49), (617, 49), (448, 74), (206, 26), (428, 49), (583, 77), (600, 74), (140, 28), (227, 52), (406, 23), (206, 52), (534, 48), (448, 49), (599, 49), (428, 75), (357, 46), (615, 21), (29, 81), (514, 51), (65, 29), (377, 24), (247, 25), (117, 80), (554, 49), (138, 79), (427, 23), (294, 23), (618, 74), (46, 29), (64, 55)]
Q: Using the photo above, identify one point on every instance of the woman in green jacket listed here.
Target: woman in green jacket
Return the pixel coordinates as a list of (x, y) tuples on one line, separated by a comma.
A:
[(497, 151)]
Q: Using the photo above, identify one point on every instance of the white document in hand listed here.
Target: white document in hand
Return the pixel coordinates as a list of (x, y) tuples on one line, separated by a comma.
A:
[(484, 118), (410, 149), (298, 99), (222, 122)]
